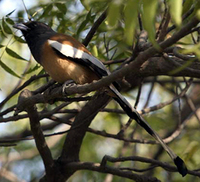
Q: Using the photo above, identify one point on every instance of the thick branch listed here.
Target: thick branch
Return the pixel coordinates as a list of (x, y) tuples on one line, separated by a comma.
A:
[(159, 66), (38, 136), (79, 127), (110, 170)]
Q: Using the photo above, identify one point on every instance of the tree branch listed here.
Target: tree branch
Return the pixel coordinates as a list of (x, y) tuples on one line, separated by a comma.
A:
[(94, 28), (145, 160), (111, 170), (41, 144), (79, 127), (14, 92)]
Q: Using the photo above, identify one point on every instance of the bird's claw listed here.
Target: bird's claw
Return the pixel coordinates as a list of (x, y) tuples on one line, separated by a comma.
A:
[(67, 84)]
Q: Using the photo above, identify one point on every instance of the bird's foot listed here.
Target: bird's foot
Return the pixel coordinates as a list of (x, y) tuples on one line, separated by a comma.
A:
[(66, 85)]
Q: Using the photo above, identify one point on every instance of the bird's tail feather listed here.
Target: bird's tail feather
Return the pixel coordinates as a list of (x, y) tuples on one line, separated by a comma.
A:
[(133, 114)]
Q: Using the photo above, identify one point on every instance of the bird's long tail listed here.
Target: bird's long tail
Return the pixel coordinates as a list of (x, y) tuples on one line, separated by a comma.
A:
[(133, 114)]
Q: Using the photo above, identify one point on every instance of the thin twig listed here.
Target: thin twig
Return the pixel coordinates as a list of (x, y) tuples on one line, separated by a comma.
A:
[(163, 104), (192, 107), (145, 160), (150, 92), (162, 30), (187, 14), (94, 28), (33, 78), (138, 95), (138, 170), (140, 21)]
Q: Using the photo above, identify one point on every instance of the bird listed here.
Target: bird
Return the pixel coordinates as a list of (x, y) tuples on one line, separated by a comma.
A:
[(64, 58)]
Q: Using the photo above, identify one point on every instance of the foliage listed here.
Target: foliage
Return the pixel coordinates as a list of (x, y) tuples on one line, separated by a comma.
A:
[(154, 41)]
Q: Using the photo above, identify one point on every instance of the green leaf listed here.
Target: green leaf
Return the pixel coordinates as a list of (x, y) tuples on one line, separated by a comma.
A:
[(1, 46), (6, 27), (94, 51), (61, 7), (84, 23), (89, 15), (148, 19), (198, 14), (47, 11), (14, 54), (113, 13), (187, 5), (176, 11), (81, 27), (86, 4), (194, 49), (192, 148), (37, 66), (10, 13), (130, 13), (19, 39), (20, 14), (2, 33), (10, 21), (9, 70), (197, 9)]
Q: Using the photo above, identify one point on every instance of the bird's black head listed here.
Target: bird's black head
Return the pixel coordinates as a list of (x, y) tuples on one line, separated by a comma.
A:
[(33, 29), (36, 34)]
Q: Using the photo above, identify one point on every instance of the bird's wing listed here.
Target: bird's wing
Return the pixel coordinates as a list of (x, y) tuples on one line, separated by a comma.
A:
[(79, 56)]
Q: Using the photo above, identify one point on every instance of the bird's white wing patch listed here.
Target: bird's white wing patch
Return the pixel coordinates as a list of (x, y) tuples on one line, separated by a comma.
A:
[(70, 51)]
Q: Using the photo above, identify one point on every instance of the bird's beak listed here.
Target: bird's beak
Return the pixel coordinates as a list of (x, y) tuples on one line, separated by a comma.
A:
[(21, 26)]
